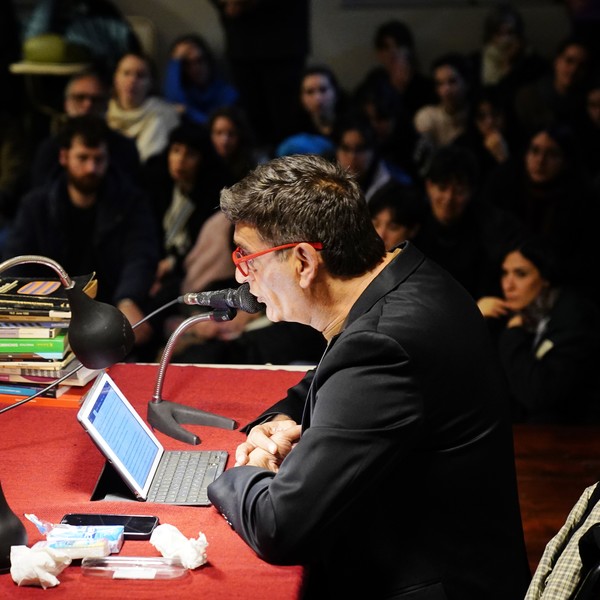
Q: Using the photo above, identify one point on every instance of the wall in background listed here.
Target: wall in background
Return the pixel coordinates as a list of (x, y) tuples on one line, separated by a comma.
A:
[(341, 35)]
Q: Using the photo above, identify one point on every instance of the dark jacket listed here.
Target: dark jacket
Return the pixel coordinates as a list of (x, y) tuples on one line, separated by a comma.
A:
[(554, 376), (403, 482), (123, 239)]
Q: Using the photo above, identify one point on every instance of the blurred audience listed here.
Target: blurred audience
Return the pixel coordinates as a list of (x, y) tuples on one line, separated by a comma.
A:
[(558, 96), (183, 184), (356, 149), (92, 219), (466, 236), (440, 123), (548, 189), (506, 60)]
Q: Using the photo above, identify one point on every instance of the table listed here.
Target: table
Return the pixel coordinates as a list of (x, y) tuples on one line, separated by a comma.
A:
[(49, 466), (555, 464)]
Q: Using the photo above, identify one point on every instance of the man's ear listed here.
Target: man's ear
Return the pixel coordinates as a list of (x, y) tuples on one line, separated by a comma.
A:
[(307, 264)]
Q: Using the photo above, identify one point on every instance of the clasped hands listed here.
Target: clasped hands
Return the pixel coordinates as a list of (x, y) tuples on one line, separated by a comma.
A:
[(268, 444)]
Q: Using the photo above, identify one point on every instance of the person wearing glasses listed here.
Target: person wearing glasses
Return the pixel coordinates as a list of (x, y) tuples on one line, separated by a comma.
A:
[(86, 93), (388, 471)]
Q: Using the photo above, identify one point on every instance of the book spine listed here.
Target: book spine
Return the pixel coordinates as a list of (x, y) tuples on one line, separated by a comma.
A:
[(12, 313), (39, 365), (7, 332), (32, 345), (24, 390)]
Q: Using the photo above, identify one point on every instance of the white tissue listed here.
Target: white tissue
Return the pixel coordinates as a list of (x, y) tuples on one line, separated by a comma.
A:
[(37, 566), (171, 543)]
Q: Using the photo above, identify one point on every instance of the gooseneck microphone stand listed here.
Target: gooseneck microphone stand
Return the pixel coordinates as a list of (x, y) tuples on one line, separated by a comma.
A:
[(166, 416)]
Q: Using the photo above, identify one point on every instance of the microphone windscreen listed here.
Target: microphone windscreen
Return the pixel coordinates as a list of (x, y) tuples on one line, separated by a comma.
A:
[(247, 302)]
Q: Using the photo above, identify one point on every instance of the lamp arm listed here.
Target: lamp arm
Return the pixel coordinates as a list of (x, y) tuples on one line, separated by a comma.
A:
[(66, 281)]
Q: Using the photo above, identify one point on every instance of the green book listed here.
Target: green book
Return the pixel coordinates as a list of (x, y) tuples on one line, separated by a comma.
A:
[(27, 348)]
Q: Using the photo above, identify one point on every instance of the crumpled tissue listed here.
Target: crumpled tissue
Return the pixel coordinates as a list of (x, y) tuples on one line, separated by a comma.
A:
[(171, 543), (37, 566)]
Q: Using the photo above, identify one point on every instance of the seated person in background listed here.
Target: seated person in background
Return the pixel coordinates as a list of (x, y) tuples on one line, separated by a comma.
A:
[(135, 111), (548, 189), (233, 140), (506, 61), (192, 81), (558, 96), (409, 390), (321, 100), (86, 93), (396, 135), (395, 50), (548, 338), (397, 212), (490, 134), (466, 236), (92, 219), (183, 184), (440, 123), (356, 150)]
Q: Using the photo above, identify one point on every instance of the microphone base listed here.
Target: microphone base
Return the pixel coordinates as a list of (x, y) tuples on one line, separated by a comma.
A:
[(166, 416)]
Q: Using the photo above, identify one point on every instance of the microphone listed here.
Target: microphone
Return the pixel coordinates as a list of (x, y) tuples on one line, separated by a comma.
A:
[(240, 298)]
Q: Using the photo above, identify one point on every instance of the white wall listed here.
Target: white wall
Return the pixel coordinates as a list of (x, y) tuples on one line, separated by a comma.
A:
[(341, 37)]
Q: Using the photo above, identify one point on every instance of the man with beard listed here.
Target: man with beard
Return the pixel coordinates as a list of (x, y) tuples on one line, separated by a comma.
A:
[(86, 93), (90, 218)]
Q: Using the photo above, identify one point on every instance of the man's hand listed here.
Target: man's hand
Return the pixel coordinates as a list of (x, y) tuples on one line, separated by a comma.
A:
[(268, 444)]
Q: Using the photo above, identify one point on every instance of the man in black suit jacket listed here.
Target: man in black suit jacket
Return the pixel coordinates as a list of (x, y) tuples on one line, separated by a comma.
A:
[(388, 472)]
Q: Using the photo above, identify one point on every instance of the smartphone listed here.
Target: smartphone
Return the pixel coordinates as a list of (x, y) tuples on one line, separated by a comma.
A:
[(136, 527)]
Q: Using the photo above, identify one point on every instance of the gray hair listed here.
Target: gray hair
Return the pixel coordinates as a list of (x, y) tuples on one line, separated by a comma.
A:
[(307, 198)]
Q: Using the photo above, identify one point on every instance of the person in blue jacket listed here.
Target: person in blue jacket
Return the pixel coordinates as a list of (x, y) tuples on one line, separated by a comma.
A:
[(192, 80)]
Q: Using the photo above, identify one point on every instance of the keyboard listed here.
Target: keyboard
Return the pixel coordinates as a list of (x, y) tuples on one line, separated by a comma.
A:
[(183, 476)]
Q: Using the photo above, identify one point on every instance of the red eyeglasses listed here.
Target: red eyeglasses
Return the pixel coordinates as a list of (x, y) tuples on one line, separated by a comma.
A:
[(241, 260)]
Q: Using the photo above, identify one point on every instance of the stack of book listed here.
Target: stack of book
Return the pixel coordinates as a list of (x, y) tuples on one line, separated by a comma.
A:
[(34, 341)]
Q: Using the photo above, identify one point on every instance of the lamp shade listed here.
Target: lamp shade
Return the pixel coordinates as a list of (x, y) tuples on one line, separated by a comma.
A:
[(100, 335)]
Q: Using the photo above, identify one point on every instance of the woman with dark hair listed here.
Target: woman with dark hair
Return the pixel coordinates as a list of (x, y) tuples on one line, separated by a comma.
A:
[(357, 150), (192, 80), (135, 110), (183, 184), (548, 338), (506, 60), (320, 102), (233, 140), (548, 189)]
